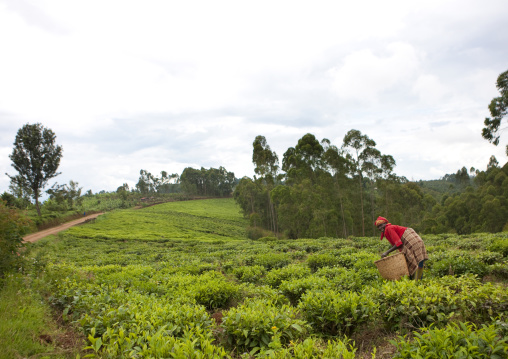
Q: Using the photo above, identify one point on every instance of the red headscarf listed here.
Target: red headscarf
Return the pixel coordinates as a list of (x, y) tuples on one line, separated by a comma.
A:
[(381, 220)]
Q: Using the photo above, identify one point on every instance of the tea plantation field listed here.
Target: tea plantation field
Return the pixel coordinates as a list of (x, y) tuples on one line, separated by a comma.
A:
[(181, 280)]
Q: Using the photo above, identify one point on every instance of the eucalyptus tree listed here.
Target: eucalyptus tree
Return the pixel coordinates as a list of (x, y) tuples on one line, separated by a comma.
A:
[(498, 108), (266, 167), (304, 160), (361, 152), (339, 166), (36, 157)]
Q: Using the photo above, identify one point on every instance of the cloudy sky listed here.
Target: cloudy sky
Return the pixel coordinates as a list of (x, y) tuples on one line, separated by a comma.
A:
[(164, 85)]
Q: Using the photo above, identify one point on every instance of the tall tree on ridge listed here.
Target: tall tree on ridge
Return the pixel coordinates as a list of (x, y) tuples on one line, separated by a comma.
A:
[(498, 108), (36, 158)]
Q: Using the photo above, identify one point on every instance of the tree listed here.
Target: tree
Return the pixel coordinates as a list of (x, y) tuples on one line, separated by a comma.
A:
[(267, 166), (338, 165), (36, 158), (498, 108), (363, 157), (66, 196)]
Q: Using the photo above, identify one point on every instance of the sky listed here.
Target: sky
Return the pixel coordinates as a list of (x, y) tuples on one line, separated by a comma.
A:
[(164, 85)]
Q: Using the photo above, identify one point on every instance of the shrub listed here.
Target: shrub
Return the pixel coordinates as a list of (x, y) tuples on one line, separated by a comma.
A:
[(341, 278), (317, 261), (489, 257), (293, 271), (500, 246), (254, 324), (250, 290), (458, 266), (312, 348), (294, 289), (406, 303), (454, 341), (358, 260), (249, 274), (272, 260), (332, 313), (12, 226), (499, 270), (481, 303), (215, 292)]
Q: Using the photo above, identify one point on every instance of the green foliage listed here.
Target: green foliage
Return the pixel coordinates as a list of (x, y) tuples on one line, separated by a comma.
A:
[(312, 348), (211, 182), (13, 224), (36, 159), (182, 280), (214, 291), (275, 277), (272, 260), (24, 318), (410, 304), (498, 108), (459, 263), (456, 340), (332, 313), (247, 329), (317, 261), (295, 288), (500, 246), (249, 274)]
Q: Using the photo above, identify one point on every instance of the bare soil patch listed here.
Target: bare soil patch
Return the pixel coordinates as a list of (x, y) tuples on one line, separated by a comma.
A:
[(54, 230)]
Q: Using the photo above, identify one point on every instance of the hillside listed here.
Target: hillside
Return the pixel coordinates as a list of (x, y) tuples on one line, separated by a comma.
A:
[(145, 282)]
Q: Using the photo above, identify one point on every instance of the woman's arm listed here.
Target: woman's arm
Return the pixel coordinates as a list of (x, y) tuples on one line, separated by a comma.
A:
[(390, 250)]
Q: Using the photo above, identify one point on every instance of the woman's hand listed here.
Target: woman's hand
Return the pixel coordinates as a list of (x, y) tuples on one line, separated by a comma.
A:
[(384, 254)]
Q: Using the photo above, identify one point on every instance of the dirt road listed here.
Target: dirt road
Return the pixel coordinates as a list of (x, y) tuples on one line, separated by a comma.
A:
[(47, 232)]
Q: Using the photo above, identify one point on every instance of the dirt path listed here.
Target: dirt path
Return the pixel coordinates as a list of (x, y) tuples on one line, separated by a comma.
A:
[(47, 232)]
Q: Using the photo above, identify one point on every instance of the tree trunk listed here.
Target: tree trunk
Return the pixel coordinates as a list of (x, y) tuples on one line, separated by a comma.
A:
[(344, 229), (37, 206), (361, 202)]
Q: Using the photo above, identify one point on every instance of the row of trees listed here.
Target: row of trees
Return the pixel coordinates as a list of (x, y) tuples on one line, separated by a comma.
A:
[(326, 190), (216, 182)]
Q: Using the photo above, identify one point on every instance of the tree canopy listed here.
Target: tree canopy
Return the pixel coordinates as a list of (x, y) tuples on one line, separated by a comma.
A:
[(328, 190), (498, 108), (36, 157)]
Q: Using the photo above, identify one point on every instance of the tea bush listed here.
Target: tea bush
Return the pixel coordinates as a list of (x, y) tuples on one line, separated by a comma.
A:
[(275, 277), (254, 323), (332, 313), (272, 260), (458, 265), (312, 348), (145, 284), (317, 261), (456, 340), (294, 289), (408, 304), (341, 279), (214, 291), (249, 274), (500, 246)]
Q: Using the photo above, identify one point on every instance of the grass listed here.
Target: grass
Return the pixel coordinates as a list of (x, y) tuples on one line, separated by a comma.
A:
[(27, 327)]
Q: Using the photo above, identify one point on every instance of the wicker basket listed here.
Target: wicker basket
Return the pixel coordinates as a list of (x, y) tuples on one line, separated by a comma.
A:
[(392, 267)]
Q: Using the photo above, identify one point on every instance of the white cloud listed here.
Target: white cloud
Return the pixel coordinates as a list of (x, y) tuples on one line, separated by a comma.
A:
[(430, 90), (364, 75), (163, 85)]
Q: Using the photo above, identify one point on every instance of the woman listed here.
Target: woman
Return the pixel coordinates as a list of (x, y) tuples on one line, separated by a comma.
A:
[(407, 241)]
